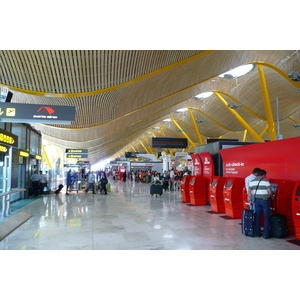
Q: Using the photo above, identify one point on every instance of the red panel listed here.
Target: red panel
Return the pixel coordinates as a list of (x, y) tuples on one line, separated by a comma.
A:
[(280, 159), (208, 165), (198, 190), (215, 194), (197, 164), (233, 197), (184, 187)]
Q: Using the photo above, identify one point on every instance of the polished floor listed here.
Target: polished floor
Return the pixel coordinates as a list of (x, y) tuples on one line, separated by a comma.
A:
[(129, 218)]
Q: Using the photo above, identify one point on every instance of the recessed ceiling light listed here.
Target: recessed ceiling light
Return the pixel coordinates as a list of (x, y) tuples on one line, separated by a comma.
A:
[(204, 95), (237, 72), (182, 109)]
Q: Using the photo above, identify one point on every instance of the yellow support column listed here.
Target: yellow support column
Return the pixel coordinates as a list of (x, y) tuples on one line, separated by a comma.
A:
[(45, 155), (196, 127), (147, 143), (251, 131), (182, 131), (272, 130)]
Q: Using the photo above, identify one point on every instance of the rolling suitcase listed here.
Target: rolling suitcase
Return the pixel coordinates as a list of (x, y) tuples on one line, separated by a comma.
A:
[(60, 187), (278, 226), (248, 222), (156, 189)]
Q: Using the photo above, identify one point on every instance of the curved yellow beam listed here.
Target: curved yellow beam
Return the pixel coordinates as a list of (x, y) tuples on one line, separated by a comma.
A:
[(182, 131), (244, 106), (253, 133)]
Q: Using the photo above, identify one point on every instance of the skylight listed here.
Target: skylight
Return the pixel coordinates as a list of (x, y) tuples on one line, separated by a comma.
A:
[(237, 72)]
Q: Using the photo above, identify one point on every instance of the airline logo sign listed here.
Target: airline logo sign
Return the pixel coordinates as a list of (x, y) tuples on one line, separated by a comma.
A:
[(36, 113)]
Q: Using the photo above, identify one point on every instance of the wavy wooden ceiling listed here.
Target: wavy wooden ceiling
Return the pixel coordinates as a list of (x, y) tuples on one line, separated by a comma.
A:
[(120, 96)]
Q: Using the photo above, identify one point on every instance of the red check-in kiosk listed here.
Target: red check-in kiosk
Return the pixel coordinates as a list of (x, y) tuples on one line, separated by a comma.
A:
[(198, 190), (215, 194), (296, 208), (282, 201), (184, 187), (233, 197)]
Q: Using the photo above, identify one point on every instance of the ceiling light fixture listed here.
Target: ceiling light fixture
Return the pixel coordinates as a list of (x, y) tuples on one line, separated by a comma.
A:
[(237, 72), (203, 95)]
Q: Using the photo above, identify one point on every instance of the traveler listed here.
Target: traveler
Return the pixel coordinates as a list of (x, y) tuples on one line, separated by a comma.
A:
[(262, 193), (247, 180), (103, 183), (43, 182), (69, 181), (35, 181), (90, 182)]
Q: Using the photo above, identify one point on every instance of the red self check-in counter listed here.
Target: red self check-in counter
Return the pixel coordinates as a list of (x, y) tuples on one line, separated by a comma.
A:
[(296, 208), (215, 194), (233, 197), (184, 187), (198, 190), (281, 203)]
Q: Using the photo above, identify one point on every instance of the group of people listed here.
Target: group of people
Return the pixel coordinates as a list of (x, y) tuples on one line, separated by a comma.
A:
[(38, 182), (259, 197)]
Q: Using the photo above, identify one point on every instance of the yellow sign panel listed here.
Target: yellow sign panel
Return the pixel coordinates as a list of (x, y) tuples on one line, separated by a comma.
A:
[(23, 153), (3, 148)]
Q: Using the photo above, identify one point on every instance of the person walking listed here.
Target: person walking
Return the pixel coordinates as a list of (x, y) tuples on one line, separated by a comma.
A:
[(103, 183), (91, 182), (262, 193), (43, 182)]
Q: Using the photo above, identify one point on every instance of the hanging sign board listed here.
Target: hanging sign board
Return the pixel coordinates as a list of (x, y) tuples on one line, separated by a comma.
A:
[(77, 155), (77, 151), (36, 113), (8, 138)]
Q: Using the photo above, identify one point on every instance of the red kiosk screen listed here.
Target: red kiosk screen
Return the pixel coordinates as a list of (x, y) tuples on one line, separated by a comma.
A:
[(228, 183), (274, 187), (298, 190), (214, 182)]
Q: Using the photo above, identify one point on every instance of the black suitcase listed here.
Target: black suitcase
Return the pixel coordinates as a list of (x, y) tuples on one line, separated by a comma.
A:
[(156, 189), (278, 226), (248, 222), (60, 187)]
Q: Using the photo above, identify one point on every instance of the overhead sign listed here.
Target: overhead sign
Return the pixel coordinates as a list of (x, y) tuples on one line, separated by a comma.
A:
[(77, 150), (77, 155), (8, 138), (36, 113), (24, 153), (169, 143), (3, 148)]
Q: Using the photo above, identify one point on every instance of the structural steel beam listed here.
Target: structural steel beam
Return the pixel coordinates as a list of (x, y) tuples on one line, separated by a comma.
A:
[(251, 131), (182, 131)]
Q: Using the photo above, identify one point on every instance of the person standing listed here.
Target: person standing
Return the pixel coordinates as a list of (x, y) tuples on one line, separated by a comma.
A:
[(103, 182), (262, 194), (35, 181), (253, 175), (90, 182), (69, 181), (43, 182)]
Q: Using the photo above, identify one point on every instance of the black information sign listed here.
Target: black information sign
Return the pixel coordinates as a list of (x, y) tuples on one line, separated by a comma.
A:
[(169, 142), (36, 113)]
